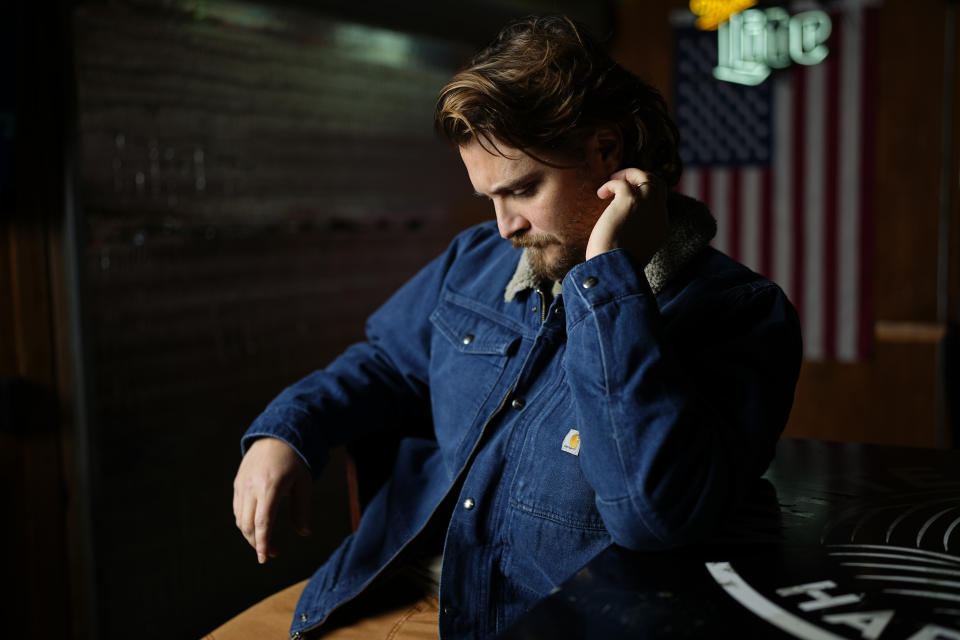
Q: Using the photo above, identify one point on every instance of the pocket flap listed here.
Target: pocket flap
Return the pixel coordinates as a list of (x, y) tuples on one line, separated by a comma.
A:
[(471, 332)]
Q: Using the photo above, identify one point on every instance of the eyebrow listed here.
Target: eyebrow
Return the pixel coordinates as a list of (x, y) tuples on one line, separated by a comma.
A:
[(513, 185)]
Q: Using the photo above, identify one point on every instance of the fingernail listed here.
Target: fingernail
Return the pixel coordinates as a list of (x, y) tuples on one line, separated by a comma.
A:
[(261, 558)]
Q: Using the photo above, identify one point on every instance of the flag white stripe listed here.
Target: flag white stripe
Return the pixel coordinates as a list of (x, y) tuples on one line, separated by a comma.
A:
[(848, 262), (720, 205), (690, 183), (750, 218), (782, 183), (814, 304)]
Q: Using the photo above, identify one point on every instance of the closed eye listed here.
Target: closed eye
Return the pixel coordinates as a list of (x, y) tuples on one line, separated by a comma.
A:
[(525, 186), (526, 191)]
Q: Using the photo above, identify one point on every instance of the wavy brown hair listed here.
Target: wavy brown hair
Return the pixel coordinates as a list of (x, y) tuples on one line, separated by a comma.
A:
[(544, 85)]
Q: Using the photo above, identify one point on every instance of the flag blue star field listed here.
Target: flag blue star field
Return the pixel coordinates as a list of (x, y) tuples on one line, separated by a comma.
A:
[(724, 124), (786, 166)]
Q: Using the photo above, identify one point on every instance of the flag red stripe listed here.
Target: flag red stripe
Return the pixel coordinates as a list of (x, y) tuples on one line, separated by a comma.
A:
[(706, 187), (733, 221), (799, 183), (831, 229), (766, 222), (867, 158)]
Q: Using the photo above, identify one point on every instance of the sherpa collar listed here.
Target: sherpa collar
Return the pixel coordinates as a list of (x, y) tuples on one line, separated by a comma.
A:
[(692, 227)]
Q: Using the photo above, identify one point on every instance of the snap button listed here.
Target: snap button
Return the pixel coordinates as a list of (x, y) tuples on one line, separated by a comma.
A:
[(303, 617), (469, 504), (589, 281), (518, 403), (467, 339)]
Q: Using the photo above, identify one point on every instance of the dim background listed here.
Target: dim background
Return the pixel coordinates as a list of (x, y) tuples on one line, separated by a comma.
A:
[(202, 200)]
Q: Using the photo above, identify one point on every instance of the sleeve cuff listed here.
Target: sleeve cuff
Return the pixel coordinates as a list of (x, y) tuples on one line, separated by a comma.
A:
[(279, 428), (604, 278)]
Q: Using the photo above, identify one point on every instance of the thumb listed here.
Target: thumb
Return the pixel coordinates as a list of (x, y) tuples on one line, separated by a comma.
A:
[(300, 507)]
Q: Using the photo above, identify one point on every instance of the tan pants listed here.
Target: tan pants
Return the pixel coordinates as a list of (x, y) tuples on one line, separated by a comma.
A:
[(390, 616)]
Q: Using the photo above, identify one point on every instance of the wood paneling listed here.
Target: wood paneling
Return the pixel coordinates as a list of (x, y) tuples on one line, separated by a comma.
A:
[(35, 398), (643, 41), (888, 400), (908, 144), (36, 574)]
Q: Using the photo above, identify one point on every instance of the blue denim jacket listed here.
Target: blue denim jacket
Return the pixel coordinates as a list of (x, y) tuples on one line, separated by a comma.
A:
[(678, 399)]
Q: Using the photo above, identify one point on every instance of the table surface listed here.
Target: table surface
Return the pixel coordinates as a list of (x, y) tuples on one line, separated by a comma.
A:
[(839, 541)]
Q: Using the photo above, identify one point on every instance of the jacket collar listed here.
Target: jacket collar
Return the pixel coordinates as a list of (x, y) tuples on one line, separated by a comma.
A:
[(691, 228)]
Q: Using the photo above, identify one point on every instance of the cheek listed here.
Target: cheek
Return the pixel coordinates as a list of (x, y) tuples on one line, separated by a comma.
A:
[(579, 221), (589, 206), (537, 212)]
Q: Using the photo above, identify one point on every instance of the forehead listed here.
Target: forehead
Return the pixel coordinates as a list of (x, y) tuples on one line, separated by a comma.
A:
[(495, 167)]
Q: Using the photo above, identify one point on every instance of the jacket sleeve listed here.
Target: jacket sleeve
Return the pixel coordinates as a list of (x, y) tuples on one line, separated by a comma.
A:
[(675, 421), (372, 384)]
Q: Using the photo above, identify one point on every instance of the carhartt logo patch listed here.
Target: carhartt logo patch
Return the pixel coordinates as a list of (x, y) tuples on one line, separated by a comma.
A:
[(571, 444)]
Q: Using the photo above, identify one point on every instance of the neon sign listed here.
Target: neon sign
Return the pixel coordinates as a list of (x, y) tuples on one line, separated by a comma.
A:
[(753, 42), (714, 12)]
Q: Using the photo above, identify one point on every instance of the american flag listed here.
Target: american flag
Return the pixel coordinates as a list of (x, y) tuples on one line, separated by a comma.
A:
[(787, 169)]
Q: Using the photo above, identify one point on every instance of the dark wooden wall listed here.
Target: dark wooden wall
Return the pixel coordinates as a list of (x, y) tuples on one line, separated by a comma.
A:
[(40, 513), (250, 182), (249, 179)]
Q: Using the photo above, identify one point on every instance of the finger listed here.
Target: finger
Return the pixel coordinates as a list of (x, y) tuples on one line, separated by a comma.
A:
[(300, 507), (263, 523), (237, 504), (247, 512), (655, 190), (643, 189), (614, 188), (633, 176)]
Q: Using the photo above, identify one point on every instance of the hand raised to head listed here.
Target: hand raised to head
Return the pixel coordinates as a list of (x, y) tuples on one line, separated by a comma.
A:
[(636, 218)]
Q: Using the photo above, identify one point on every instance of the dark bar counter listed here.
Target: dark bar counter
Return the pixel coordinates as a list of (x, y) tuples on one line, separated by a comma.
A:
[(837, 541)]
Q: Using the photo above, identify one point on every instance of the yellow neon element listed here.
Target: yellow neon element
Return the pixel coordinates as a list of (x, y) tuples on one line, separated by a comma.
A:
[(713, 12)]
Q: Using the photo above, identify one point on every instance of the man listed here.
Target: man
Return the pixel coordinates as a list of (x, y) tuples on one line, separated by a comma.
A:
[(615, 381)]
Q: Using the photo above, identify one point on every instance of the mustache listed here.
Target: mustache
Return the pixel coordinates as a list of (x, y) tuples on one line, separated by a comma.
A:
[(535, 241)]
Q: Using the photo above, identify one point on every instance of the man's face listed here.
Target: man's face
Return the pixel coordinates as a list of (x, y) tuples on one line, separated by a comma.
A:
[(549, 211)]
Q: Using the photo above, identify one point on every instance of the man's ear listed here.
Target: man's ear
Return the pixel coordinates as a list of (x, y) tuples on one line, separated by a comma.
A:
[(606, 148)]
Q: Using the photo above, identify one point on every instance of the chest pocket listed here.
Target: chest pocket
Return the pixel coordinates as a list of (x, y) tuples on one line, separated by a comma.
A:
[(548, 482), (469, 353)]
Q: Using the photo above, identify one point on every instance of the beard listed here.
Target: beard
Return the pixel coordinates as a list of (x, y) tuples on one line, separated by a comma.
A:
[(550, 257)]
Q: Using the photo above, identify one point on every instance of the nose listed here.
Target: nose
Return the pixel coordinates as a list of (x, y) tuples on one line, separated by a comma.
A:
[(509, 221)]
